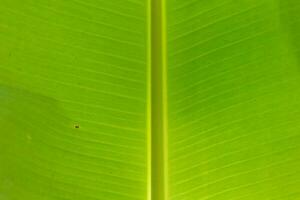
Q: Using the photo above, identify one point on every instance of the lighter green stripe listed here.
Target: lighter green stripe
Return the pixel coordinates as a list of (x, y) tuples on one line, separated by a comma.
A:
[(159, 146)]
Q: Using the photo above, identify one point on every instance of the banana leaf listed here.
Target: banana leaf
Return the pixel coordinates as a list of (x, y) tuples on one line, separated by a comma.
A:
[(149, 99)]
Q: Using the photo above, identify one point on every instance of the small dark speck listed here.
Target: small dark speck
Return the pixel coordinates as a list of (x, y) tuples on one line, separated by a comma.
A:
[(76, 126)]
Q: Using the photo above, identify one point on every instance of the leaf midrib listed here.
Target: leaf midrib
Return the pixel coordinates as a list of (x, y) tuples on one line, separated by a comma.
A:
[(157, 109)]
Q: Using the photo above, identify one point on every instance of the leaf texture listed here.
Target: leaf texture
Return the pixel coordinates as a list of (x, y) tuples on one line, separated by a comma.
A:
[(234, 99), (73, 99), (75, 109)]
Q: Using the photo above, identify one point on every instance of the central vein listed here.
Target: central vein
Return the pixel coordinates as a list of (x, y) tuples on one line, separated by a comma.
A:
[(158, 97)]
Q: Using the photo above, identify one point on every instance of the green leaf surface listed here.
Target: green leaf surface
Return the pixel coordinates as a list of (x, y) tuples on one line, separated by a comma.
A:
[(149, 99), (73, 76), (234, 99)]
